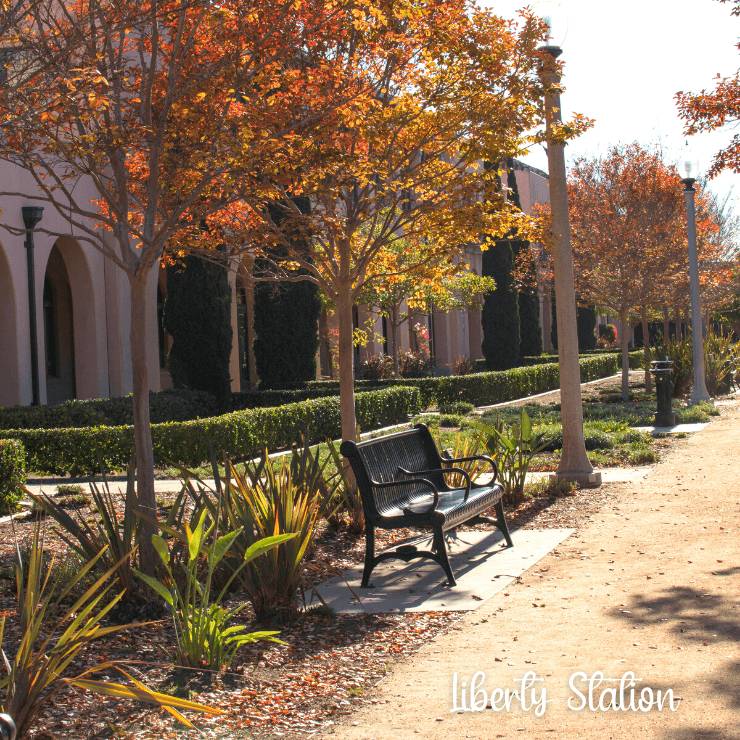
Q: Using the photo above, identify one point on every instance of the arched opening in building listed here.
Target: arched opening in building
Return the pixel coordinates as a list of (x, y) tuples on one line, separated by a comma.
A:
[(10, 387), (69, 325), (59, 342)]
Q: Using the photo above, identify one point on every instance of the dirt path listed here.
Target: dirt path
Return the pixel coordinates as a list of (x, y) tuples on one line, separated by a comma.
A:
[(650, 586)]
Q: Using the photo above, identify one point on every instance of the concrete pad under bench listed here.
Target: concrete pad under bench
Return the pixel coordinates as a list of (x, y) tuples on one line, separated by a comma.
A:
[(482, 564)]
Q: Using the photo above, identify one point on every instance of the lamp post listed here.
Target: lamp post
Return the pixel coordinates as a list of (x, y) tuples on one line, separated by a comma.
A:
[(31, 216), (688, 168), (574, 463)]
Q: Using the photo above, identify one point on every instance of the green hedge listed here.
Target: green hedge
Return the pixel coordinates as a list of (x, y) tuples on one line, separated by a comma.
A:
[(594, 365), (426, 387), (169, 405), (484, 389), (12, 474), (237, 434)]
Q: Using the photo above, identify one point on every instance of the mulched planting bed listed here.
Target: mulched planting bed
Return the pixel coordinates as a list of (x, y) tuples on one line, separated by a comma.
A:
[(326, 670)]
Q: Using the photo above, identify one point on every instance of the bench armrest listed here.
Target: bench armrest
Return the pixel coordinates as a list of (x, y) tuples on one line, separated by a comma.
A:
[(462, 472), (396, 483), (486, 458)]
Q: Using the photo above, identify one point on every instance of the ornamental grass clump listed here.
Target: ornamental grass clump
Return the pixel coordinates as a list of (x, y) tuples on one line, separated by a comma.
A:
[(271, 499), (108, 538), (48, 645)]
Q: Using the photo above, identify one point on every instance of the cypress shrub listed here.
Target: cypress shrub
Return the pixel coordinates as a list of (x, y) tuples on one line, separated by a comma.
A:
[(530, 328), (197, 315), (554, 326), (286, 324), (586, 322), (500, 311), (286, 327)]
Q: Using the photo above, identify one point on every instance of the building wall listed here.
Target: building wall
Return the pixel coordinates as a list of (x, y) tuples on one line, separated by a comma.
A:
[(92, 310), (91, 307)]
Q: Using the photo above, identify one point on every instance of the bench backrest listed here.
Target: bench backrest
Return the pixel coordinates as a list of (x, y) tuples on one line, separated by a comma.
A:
[(378, 460)]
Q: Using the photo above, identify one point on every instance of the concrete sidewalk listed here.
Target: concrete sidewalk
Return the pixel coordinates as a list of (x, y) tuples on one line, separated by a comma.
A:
[(649, 590)]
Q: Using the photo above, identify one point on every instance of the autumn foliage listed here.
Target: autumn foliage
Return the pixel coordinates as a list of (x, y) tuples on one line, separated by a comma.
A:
[(710, 110), (628, 230)]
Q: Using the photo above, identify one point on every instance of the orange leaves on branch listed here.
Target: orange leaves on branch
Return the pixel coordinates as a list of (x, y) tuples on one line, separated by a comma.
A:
[(711, 110)]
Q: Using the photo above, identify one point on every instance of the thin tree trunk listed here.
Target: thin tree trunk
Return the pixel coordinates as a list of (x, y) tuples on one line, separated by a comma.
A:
[(623, 317), (679, 328), (666, 326), (394, 348), (346, 364), (646, 352), (145, 498)]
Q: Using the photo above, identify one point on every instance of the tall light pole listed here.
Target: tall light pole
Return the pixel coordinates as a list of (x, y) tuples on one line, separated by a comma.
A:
[(688, 169), (574, 463)]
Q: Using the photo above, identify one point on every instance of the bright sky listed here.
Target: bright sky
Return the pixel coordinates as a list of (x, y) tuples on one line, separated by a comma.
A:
[(625, 61)]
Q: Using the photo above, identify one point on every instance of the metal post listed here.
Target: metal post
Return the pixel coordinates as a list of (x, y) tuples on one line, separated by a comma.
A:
[(700, 392), (31, 216), (574, 463)]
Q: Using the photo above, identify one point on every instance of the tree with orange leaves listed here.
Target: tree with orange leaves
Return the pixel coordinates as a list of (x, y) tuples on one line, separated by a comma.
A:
[(711, 110), (628, 229), (420, 281), (456, 86), (160, 108)]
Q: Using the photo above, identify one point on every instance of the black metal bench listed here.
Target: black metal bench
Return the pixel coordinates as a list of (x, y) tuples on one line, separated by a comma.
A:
[(401, 479)]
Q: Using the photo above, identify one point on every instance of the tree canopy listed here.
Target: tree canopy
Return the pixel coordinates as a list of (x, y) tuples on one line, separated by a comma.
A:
[(453, 87)]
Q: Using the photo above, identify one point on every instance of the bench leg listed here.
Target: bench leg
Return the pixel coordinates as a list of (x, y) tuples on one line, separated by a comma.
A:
[(369, 555), (440, 549), (501, 523)]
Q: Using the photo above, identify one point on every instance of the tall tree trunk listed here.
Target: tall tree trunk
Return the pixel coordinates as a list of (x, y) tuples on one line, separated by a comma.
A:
[(346, 364), (646, 351), (679, 328), (666, 326), (145, 499), (394, 325), (623, 318)]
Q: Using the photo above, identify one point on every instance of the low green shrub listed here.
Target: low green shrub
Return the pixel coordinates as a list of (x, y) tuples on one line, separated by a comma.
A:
[(12, 474), (461, 408), (450, 420), (169, 405), (238, 434), (597, 439)]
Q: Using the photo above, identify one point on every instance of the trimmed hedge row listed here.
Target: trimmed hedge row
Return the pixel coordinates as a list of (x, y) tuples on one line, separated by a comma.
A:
[(169, 405), (12, 474), (237, 434), (484, 389)]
